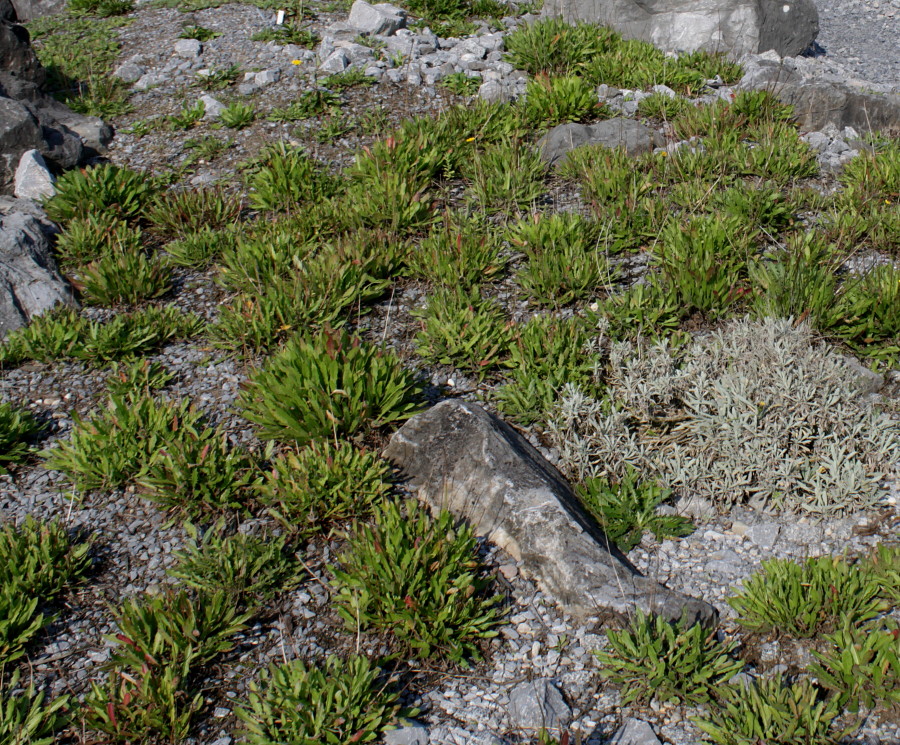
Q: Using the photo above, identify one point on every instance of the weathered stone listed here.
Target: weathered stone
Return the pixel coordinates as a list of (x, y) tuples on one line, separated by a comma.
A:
[(212, 107), (538, 703), (29, 281), (17, 58), (337, 61), (188, 48), (129, 72), (459, 457), (822, 100), (28, 10), (33, 179), (19, 132), (735, 27), (382, 18), (409, 734), (635, 732), (635, 137)]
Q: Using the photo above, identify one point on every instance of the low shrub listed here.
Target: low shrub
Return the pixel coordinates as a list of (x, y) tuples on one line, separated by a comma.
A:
[(329, 384), (323, 484), (417, 577), (653, 659), (627, 509), (17, 428), (341, 701), (755, 412), (805, 600)]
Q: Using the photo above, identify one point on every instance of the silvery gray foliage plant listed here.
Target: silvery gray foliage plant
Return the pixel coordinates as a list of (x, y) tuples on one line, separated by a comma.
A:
[(756, 413)]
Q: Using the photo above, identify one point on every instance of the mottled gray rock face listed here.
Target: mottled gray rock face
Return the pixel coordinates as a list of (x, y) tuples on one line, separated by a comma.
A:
[(633, 136), (461, 458), (27, 10), (382, 18), (32, 120), (410, 734), (733, 26), (822, 101), (538, 703), (635, 732), (29, 281), (33, 180)]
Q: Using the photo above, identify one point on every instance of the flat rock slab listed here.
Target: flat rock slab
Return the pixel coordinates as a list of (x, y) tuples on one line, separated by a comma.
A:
[(635, 137), (459, 457)]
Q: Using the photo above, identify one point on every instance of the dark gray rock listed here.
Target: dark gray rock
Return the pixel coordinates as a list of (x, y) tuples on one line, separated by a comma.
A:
[(735, 27), (32, 120), (18, 61), (635, 137), (536, 704), (19, 132), (29, 281), (821, 100), (462, 458)]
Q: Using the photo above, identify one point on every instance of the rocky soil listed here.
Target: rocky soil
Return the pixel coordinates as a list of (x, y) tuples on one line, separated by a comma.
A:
[(540, 646)]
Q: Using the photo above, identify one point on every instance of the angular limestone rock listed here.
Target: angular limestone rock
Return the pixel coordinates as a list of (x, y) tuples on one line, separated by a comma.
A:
[(735, 27), (461, 458), (29, 281), (635, 137)]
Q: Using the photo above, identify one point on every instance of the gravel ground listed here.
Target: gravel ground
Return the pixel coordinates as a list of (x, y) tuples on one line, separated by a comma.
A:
[(863, 36), (134, 546)]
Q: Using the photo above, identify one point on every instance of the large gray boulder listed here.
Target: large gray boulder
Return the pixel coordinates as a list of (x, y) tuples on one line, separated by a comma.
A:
[(32, 120), (30, 283), (735, 27), (635, 137), (459, 457), (28, 10), (821, 98)]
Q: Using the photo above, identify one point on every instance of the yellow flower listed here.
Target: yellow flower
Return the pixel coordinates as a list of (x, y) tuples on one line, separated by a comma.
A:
[(296, 62), (470, 139)]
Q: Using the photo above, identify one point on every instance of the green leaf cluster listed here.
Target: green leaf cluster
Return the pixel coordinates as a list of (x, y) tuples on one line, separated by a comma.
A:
[(17, 427), (804, 600), (118, 445), (546, 354), (251, 570), (464, 329), (339, 702), (654, 659), (328, 385), (106, 188), (774, 712), (65, 335), (164, 642), (322, 484), (418, 578), (628, 508), (37, 561), (24, 718)]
